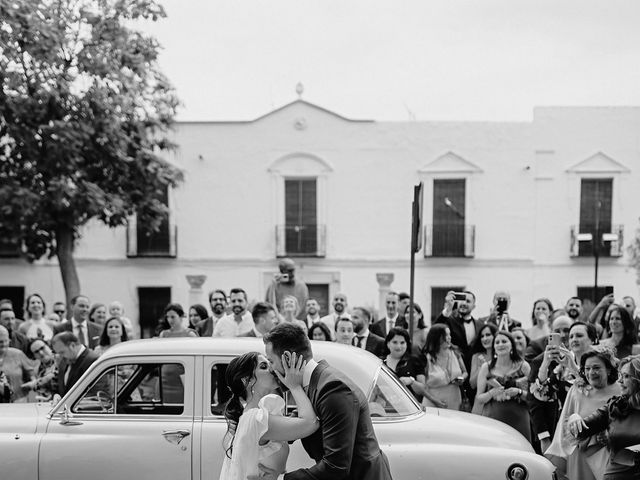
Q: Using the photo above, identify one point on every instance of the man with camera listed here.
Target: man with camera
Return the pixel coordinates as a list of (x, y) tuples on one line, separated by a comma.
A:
[(285, 283), (499, 315)]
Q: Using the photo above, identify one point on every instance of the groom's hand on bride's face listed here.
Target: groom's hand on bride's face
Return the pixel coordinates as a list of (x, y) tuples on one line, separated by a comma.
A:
[(266, 473)]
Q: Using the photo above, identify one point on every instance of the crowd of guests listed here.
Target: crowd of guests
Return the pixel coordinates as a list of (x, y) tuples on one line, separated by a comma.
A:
[(570, 384)]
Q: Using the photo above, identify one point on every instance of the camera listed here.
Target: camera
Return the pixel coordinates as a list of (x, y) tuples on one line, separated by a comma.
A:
[(281, 277), (502, 305)]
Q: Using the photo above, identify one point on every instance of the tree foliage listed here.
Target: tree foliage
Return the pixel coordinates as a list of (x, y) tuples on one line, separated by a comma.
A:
[(84, 118)]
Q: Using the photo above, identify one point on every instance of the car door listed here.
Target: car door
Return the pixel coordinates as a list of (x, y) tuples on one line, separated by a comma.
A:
[(132, 419)]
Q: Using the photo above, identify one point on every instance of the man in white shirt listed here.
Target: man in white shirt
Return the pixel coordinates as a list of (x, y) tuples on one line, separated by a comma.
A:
[(365, 339), (87, 332), (312, 309), (392, 319), (240, 321), (339, 311)]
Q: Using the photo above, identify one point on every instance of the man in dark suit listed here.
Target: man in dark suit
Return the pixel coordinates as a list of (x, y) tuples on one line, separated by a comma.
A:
[(345, 445), (86, 332), (76, 359), (392, 319), (218, 302), (264, 319), (361, 317)]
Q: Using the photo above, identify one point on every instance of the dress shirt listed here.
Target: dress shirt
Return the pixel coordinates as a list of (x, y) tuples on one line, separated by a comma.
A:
[(228, 327), (76, 326), (312, 320), (360, 341), (391, 322), (469, 330)]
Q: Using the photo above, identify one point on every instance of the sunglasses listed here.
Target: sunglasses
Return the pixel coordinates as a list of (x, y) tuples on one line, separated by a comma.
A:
[(38, 350)]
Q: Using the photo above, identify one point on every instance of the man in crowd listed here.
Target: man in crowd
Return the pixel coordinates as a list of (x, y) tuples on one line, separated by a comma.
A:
[(76, 359), (499, 315), (403, 302), (264, 319), (239, 321), (86, 332), (218, 302), (365, 339), (574, 308), (285, 283), (312, 310), (60, 309), (382, 326), (16, 339), (457, 315), (339, 311), (545, 414)]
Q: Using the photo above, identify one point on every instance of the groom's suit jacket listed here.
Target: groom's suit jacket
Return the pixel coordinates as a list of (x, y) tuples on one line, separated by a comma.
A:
[(345, 445)]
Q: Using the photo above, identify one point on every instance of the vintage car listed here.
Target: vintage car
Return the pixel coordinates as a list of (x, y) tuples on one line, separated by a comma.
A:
[(149, 409)]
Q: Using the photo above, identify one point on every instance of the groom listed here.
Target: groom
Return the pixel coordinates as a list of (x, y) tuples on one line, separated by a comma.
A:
[(345, 445)]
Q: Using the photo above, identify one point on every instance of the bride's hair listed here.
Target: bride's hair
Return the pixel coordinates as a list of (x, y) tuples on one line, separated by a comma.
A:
[(240, 373)]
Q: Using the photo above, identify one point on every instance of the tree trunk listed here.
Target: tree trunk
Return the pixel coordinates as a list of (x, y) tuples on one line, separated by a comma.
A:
[(64, 252)]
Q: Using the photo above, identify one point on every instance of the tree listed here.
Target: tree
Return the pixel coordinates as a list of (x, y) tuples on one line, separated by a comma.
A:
[(84, 118)]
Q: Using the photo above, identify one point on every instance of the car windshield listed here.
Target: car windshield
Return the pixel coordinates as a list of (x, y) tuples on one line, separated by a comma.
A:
[(389, 399)]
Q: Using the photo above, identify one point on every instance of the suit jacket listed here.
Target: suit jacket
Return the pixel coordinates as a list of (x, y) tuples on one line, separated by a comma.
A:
[(77, 368), (345, 445), (380, 327), (93, 331), (375, 344), (459, 335)]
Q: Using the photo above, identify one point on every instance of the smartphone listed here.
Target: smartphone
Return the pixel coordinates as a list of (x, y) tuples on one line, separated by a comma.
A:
[(554, 339), (459, 296), (502, 305)]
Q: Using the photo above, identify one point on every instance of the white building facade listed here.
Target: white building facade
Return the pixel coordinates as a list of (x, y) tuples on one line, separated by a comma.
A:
[(511, 206)]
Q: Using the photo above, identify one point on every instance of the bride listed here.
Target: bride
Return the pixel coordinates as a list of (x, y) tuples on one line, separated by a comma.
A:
[(257, 431)]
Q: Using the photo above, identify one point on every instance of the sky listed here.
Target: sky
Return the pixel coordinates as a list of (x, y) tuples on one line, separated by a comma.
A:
[(400, 60)]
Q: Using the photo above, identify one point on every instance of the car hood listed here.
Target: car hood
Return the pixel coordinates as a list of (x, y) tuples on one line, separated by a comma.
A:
[(448, 427), (22, 417)]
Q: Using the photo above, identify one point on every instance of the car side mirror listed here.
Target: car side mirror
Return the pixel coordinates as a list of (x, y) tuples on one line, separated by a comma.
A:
[(66, 419)]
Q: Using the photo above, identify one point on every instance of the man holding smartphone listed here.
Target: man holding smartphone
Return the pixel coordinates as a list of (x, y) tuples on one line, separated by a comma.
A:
[(285, 283)]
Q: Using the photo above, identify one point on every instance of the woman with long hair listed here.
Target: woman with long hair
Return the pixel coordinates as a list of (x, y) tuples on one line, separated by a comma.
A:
[(421, 328), (98, 313), (319, 331), (620, 417), (503, 385), (257, 431), (173, 315), (36, 325), (197, 313), (587, 459), (444, 371), (114, 332), (397, 356), (621, 331), (482, 351), (540, 318)]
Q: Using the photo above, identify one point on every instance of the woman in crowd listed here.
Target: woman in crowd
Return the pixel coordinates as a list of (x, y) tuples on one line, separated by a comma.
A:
[(114, 332), (98, 314), (46, 382), (540, 318), (319, 331), (173, 314), (36, 325), (522, 340), (290, 309), (482, 350), (197, 313), (444, 371), (585, 460), (397, 356), (345, 331), (620, 417), (420, 330), (503, 385), (16, 367), (621, 331)]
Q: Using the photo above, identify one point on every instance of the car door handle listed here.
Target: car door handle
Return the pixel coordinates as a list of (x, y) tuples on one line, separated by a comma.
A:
[(175, 436)]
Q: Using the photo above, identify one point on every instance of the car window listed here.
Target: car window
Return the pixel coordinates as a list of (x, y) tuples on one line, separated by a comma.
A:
[(389, 399), (136, 389), (219, 391)]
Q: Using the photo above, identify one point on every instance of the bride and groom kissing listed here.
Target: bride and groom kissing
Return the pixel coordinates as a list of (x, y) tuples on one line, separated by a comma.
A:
[(333, 416)]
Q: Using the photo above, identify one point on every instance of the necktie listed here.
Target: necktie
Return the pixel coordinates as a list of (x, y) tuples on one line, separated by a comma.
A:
[(360, 341), (81, 336)]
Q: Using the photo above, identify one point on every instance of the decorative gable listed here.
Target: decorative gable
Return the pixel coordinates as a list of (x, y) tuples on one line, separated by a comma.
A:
[(598, 163), (450, 163)]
